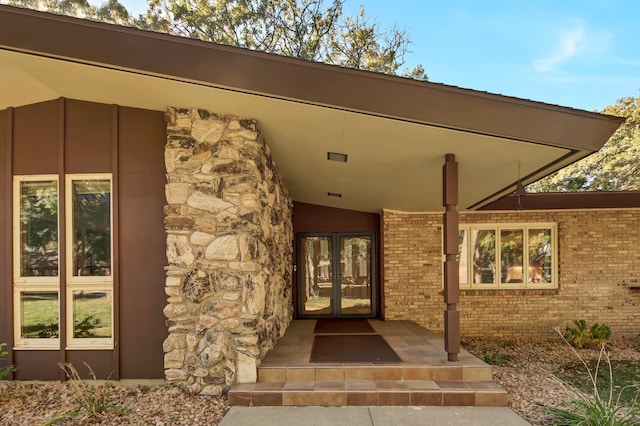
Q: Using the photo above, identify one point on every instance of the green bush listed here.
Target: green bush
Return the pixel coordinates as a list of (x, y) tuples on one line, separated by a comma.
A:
[(597, 408), (4, 371), (583, 336)]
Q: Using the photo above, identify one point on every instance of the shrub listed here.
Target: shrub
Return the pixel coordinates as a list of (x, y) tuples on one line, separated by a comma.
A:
[(4, 371), (92, 400), (493, 357), (582, 336), (596, 408)]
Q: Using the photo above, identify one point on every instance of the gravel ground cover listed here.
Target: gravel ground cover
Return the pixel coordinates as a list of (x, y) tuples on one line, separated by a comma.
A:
[(529, 372), (37, 403)]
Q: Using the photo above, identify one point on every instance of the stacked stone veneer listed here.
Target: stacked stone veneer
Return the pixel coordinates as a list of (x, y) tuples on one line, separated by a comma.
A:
[(599, 259), (229, 247)]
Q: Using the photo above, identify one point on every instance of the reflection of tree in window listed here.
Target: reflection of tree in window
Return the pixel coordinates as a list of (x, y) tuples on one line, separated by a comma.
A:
[(39, 228), (463, 258), (540, 255), (91, 227), (511, 252), (355, 260), (91, 314), (484, 255)]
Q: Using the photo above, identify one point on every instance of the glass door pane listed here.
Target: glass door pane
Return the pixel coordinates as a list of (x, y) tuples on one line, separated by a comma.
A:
[(355, 275), (317, 275)]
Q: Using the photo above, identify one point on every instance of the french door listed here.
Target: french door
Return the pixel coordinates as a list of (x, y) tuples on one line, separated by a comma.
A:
[(337, 275)]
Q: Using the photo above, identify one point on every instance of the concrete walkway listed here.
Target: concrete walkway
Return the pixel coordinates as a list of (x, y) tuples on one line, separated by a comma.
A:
[(372, 416)]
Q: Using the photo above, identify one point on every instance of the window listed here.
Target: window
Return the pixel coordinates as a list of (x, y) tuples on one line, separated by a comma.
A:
[(36, 273), (507, 256), (89, 279), (88, 288)]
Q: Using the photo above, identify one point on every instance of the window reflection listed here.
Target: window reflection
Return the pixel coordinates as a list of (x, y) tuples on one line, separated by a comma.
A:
[(317, 274), (511, 251), (540, 255), (39, 228), (91, 227), (39, 315), (463, 258), (91, 314), (355, 285), (483, 243)]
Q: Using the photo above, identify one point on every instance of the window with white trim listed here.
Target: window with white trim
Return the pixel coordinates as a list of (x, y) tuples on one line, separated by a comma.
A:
[(508, 256), (88, 288)]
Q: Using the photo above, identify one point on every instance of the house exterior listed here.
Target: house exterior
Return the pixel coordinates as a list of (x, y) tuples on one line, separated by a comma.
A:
[(170, 205)]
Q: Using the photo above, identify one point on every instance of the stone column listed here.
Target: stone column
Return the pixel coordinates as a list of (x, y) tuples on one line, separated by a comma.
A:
[(451, 275), (229, 249)]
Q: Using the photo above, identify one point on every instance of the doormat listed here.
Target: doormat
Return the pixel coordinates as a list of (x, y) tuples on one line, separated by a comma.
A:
[(342, 326), (355, 348)]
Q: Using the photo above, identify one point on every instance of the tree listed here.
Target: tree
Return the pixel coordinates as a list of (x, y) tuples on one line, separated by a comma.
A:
[(112, 11), (616, 167), (315, 30)]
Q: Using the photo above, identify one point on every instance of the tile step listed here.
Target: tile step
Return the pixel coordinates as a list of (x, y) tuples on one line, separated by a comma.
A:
[(369, 393), (350, 373)]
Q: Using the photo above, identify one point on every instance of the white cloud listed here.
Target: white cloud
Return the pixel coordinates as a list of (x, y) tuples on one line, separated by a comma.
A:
[(568, 45)]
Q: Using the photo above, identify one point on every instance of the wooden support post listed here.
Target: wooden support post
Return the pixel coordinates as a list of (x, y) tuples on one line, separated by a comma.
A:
[(451, 277)]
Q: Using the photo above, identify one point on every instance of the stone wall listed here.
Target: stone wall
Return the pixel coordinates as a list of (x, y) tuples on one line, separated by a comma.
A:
[(599, 257), (229, 247)]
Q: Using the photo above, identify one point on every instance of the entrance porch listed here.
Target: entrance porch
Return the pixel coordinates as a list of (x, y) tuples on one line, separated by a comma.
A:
[(422, 376)]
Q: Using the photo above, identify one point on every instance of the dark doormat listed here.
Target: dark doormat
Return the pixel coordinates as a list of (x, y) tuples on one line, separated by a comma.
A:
[(342, 326), (352, 348)]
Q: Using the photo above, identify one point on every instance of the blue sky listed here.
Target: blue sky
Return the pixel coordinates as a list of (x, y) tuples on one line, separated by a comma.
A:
[(578, 53)]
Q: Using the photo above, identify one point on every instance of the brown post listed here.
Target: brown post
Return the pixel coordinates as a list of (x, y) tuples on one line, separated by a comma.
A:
[(451, 277)]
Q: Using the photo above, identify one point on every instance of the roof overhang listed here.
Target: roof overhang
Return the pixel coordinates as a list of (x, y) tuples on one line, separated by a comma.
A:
[(396, 131)]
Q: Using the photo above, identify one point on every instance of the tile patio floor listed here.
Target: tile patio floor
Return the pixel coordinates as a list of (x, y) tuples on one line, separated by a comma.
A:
[(423, 377)]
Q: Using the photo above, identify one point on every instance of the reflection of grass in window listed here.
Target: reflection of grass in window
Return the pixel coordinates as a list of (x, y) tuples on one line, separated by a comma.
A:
[(39, 315), (91, 314), (318, 303)]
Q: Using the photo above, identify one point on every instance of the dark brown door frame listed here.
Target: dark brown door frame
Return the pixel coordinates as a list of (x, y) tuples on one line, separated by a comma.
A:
[(336, 274)]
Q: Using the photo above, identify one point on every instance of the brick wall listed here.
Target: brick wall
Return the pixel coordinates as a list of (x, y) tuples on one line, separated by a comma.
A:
[(598, 255)]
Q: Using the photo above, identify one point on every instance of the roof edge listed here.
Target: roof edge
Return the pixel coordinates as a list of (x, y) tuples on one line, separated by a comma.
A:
[(58, 36)]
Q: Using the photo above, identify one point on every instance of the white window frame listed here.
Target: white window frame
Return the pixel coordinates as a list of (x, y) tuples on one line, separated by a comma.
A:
[(17, 278), (23, 284), (84, 343), (497, 228), (37, 343), (85, 283)]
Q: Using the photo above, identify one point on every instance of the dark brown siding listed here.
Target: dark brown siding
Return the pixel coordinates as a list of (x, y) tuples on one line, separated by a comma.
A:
[(68, 136), (313, 218), (87, 137), (142, 243), (569, 200), (35, 139), (6, 307), (36, 365)]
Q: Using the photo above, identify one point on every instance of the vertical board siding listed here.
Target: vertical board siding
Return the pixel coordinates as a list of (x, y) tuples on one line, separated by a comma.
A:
[(65, 137)]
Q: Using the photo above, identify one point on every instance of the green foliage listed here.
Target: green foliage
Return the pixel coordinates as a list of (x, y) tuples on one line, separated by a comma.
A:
[(493, 357), (315, 30), (583, 336), (4, 371), (91, 399), (596, 408), (616, 167), (626, 377), (110, 11)]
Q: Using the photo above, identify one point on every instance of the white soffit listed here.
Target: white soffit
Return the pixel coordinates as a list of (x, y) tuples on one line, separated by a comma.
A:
[(392, 164)]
